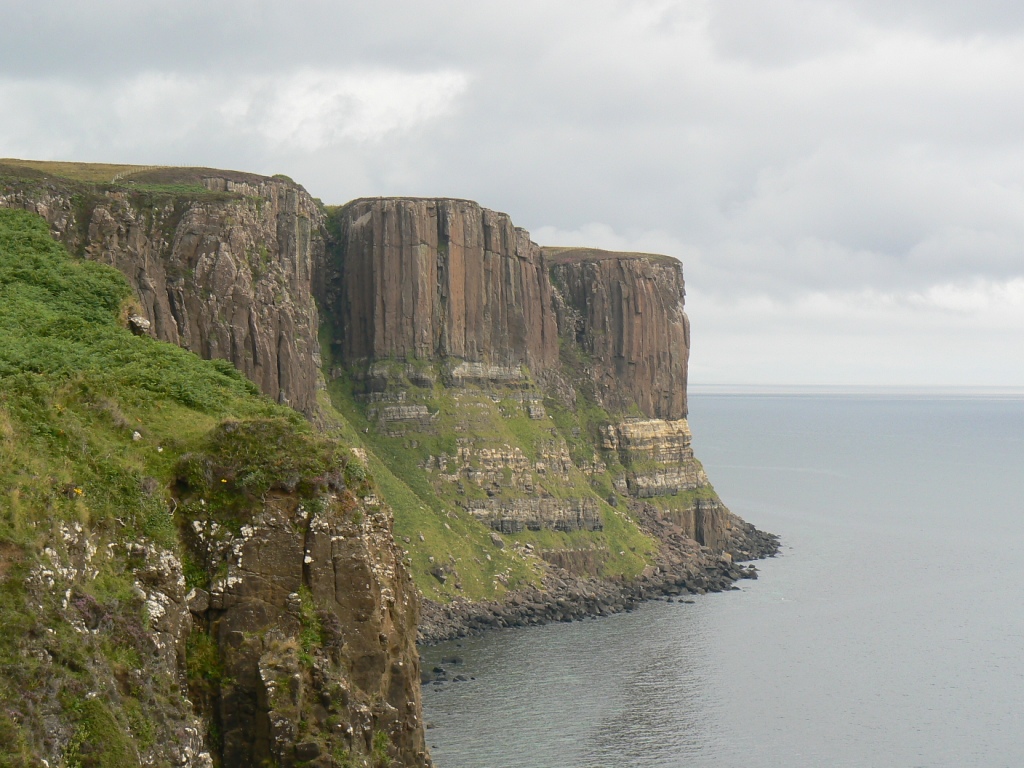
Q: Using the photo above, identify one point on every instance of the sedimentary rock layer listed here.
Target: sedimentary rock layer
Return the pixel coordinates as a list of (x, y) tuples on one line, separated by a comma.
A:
[(651, 439), (515, 515)]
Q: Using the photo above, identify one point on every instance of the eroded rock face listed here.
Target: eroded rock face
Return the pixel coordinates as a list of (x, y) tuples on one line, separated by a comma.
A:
[(515, 515), (432, 279), (152, 624), (652, 439), (225, 274), (625, 311), (315, 621)]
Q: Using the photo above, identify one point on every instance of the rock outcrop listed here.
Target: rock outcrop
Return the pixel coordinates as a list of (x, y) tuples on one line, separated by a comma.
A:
[(221, 263), (625, 311), (517, 515), (314, 617), (60, 590), (433, 279), (494, 388)]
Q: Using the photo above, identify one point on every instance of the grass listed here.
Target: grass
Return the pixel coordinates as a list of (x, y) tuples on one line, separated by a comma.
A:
[(96, 427), (148, 187), (430, 511), (99, 740), (90, 172)]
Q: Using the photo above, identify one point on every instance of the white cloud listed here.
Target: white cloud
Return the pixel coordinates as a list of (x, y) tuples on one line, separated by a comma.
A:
[(157, 114), (311, 110), (962, 333), (598, 235)]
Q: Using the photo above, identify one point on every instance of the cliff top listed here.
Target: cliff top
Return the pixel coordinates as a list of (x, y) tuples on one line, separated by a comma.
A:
[(417, 199), (108, 173), (565, 255), (413, 199)]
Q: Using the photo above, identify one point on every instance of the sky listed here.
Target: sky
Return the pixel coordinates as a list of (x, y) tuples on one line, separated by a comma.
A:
[(843, 180)]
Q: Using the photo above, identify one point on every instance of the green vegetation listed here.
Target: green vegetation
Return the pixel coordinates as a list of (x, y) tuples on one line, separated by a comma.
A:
[(239, 462), (91, 172), (99, 739), (312, 632), (379, 754), (148, 187), (431, 517), (96, 425)]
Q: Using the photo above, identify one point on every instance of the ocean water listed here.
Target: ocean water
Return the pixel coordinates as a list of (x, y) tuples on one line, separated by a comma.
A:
[(889, 631)]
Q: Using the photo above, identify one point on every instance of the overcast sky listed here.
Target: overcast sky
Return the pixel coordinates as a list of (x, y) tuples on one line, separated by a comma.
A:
[(842, 179)]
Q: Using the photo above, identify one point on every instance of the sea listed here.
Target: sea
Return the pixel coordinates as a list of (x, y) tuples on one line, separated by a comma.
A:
[(889, 630)]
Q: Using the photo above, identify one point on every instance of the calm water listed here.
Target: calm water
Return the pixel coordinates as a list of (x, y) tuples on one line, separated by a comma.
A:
[(890, 632)]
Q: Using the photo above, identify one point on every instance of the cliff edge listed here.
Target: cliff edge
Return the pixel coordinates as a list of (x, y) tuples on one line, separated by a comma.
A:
[(221, 262), (538, 392), (495, 435)]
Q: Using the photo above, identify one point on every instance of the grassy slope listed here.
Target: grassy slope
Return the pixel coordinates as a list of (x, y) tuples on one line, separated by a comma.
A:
[(427, 506), (91, 172), (75, 388)]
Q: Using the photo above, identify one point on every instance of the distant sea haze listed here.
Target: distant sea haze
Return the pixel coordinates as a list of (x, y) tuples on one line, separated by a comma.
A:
[(889, 631), (864, 390)]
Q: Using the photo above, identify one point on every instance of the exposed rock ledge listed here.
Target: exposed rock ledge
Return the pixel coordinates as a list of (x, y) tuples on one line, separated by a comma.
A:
[(687, 568)]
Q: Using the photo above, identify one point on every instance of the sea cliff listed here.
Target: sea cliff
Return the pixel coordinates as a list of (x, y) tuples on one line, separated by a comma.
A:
[(495, 434)]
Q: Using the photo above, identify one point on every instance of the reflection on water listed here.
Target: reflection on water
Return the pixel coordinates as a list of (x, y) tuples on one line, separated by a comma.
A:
[(888, 633), (628, 690)]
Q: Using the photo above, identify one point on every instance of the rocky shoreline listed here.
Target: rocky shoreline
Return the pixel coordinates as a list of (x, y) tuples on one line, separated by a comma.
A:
[(688, 569)]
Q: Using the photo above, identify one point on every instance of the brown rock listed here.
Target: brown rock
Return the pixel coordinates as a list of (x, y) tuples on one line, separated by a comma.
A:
[(626, 311), (225, 275), (431, 278), (289, 571)]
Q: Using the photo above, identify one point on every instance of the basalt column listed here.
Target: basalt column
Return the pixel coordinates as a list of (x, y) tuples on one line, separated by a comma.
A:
[(432, 279), (625, 310)]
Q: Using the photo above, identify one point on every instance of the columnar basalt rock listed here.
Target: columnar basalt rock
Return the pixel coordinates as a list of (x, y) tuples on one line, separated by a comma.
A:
[(470, 354), (625, 311), (433, 279)]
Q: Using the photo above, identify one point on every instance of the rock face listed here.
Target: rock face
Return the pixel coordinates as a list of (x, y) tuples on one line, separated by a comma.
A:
[(625, 311), (449, 281), (510, 376), (536, 514), (224, 270), (651, 439), (660, 454), (315, 621), (307, 601), (437, 279)]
